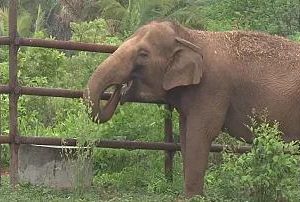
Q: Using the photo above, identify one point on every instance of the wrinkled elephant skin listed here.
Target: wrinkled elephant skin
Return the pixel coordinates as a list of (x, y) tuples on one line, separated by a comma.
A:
[(213, 79)]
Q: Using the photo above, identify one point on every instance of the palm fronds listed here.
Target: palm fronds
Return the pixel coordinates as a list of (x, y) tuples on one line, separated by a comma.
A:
[(3, 21), (139, 12), (24, 23)]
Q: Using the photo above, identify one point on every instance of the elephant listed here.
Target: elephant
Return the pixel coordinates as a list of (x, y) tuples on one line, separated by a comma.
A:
[(213, 79)]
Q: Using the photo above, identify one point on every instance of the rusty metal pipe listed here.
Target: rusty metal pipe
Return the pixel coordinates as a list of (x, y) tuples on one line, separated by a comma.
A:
[(217, 148), (66, 45), (4, 40), (52, 92), (4, 89), (58, 44), (0, 137), (4, 139), (13, 97), (58, 92), (115, 144), (119, 144), (99, 143)]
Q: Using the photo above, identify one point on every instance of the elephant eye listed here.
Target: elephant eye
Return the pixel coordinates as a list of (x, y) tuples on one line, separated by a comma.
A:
[(142, 58), (143, 53)]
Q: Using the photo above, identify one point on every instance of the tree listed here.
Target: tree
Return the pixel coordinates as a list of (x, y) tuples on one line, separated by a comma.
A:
[(24, 23), (125, 16), (274, 16), (140, 12)]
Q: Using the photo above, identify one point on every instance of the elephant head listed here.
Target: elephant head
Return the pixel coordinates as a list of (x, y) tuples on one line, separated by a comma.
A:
[(154, 60)]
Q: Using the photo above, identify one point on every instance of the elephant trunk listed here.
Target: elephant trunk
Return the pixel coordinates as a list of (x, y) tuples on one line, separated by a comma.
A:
[(102, 80)]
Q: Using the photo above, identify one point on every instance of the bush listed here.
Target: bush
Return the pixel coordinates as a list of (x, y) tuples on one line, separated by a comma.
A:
[(295, 37), (95, 31), (144, 172), (269, 172), (273, 16)]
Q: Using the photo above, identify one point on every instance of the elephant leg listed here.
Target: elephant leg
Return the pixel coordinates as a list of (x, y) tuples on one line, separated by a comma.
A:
[(195, 163), (182, 130), (202, 129)]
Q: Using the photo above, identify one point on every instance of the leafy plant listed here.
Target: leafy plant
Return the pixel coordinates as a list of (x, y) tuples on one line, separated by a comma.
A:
[(276, 17), (269, 172), (296, 37), (95, 31), (126, 18), (3, 21)]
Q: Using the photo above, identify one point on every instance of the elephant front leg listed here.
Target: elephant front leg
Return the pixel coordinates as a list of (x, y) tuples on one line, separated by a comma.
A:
[(195, 162), (200, 132)]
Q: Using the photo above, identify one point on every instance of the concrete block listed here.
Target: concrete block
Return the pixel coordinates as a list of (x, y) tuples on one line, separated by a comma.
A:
[(53, 166)]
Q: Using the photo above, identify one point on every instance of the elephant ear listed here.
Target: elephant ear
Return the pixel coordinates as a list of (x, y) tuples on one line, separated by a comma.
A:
[(186, 67)]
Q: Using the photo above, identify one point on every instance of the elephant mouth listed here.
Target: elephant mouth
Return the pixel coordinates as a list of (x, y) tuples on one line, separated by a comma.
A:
[(107, 107), (125, 88), (110, 92), (116, 93)]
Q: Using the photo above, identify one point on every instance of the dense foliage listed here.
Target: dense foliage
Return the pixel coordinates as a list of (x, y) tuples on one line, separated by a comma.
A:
[(267, 173), (276, 17), (270, 172)]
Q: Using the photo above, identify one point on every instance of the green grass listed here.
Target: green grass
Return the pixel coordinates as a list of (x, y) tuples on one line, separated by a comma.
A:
[(125, 181), (30, 193)]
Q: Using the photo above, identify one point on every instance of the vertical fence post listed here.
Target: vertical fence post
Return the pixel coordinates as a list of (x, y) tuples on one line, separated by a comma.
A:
[(0, 132), (13, 96), (0, 135), (169, 139)]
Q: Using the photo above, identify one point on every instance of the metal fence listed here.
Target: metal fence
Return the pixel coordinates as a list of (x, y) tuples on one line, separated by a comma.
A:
[(14, 139)]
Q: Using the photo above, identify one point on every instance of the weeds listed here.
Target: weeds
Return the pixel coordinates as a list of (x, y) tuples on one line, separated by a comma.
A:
[(269, 172)]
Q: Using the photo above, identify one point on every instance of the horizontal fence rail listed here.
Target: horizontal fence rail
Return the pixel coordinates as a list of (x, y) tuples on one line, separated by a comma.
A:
[(117, 144), (4, 40), (59, 92), (57, 44), (55, 92), (52, 92), (4, 139), (4, 89)]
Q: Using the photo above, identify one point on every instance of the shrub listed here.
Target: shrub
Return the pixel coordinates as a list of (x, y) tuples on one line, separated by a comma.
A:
[(295, 37), (269, 172)]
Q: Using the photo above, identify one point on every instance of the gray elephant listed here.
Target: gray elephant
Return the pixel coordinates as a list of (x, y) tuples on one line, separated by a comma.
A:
[(213, 79)]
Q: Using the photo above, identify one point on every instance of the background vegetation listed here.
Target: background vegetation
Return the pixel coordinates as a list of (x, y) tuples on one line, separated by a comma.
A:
[(122, 175)]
